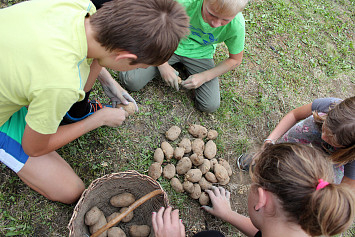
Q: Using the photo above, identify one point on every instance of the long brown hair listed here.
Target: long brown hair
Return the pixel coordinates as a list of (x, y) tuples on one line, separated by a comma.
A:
[(150, 29), (292, 172), (340, 120)]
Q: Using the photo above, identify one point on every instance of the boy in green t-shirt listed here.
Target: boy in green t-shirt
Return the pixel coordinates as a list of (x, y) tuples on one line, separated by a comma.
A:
[(211, 22), (52, 51)]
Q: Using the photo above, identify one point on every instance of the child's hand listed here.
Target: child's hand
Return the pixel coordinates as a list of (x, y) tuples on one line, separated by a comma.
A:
[(220, 199), (193, 81), (170, 75), (112, 117), (166, 223)]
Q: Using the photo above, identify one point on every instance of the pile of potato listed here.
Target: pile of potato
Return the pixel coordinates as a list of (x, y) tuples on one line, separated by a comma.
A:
[(196, 163), (96, 219)]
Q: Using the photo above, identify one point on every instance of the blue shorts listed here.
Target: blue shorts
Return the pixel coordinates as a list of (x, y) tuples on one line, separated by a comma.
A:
[(11, 132)]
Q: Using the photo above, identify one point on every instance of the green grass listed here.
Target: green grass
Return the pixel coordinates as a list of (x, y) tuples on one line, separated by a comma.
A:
[(295, 51)]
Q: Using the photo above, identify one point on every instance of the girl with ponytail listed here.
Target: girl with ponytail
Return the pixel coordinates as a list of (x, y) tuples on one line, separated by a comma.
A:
[(292, 194)]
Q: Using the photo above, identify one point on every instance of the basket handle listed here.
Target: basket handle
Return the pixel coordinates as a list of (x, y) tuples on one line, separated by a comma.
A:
[(129, 209)]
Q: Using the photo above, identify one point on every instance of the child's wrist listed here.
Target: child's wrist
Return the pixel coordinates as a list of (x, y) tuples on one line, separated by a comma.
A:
[(268, 140)]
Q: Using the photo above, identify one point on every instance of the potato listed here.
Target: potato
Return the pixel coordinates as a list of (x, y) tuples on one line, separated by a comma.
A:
[(129, 216), (122, 200), (115, 232), (212, 134), (155, 170), (225, 181), (193, 175), (226, 165), (179, 152), (169, 171), (210, 177), (139, 230), (213, 162), (93, 216), (204, 199), (210, 150), (130, 108), (196, 192), (186, 144), (188, 186), (205, 166), (176, 185), (168, 150), (183, 165), (204, 184), (159, 155), (221, 174), (196, 159), (112, 216), (197, 131), (173, 133), (94, 228), (198, 146)]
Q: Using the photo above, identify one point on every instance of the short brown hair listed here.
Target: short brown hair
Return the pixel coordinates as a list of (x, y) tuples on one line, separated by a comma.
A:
[(292, 171), (340, 120), (150, 29)]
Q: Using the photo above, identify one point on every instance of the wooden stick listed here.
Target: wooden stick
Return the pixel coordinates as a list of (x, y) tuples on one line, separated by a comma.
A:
[(129, 209)]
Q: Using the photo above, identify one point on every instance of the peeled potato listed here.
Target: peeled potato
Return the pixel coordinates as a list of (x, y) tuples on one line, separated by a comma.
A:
[(168, 150), (169, 171), (173, 133), (122, 200), (197, 131), (186, 144), (130, 108), (155, 170)]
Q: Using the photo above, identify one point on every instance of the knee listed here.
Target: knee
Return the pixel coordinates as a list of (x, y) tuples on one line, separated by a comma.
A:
[(70, 194), (208, 106), (131, 81)]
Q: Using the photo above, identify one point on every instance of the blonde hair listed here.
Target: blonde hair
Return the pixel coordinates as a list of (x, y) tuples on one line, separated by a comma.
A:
[(292, 171), (227, 7), (340, 120)]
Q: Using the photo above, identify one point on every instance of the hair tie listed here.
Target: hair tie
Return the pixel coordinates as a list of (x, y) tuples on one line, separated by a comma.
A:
[(321, 184)]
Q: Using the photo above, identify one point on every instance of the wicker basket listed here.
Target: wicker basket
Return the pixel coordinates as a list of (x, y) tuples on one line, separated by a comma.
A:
[(101, 190)]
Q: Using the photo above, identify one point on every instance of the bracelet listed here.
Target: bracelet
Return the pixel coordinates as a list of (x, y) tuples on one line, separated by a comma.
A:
[(270, 140)]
